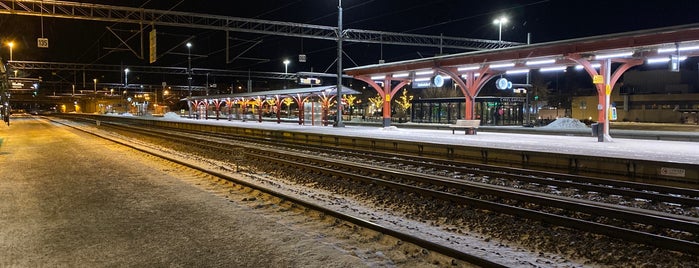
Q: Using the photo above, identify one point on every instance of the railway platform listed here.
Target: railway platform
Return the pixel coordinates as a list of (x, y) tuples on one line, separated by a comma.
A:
[(633, 144), (641, 158), (69, 199)]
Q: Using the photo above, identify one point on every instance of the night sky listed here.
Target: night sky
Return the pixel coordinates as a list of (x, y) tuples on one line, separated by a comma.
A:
[(90, 42)]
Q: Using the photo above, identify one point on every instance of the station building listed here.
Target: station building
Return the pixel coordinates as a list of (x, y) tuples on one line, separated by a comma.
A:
[(655, 96)]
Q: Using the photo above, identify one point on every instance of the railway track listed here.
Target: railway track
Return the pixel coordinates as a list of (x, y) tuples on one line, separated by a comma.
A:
[(535, 180), (403, 236), (674, 232)]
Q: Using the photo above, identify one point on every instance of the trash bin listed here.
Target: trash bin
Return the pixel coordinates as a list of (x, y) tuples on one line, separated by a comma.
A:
[(598, 131)]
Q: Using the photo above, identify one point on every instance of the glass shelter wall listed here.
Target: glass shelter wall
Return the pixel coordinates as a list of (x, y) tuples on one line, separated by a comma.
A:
[(501, 111)]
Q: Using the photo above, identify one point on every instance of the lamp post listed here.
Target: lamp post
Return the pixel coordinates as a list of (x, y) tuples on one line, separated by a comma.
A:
[(94, 80), (286, 70), (189, 76), (126, 77), (11, 45), (189, 68), (500, 21), (339, 123)]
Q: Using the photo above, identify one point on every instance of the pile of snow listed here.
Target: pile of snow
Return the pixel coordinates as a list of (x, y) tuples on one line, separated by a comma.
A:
[(127, 114), (171, 115), (389, 128), (566, 123)]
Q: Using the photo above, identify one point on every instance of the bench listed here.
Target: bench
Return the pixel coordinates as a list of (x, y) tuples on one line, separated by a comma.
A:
[(469, 126)]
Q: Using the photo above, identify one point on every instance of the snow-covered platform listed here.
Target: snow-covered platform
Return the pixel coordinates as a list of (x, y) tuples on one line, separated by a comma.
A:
[(532, 139)]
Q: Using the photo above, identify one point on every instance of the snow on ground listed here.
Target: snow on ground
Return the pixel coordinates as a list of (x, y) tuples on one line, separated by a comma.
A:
[(566, 123), (172, 116), (654, 150)]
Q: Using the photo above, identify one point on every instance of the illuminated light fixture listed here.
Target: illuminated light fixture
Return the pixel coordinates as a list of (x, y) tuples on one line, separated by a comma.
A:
[(672, 49), (378, 77), (474, 75), (594, 65), (519, 71), (662, 60), (422, 79), (467, 68), (614, 55), (553, 69), (502, 65), (400, 75), (540, 62), (424, 72)]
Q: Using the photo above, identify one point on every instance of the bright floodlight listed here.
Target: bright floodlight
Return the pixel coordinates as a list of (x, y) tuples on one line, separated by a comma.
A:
[(501, 20)]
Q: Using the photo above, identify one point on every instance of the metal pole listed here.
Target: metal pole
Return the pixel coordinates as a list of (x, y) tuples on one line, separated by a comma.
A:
[(527, 106), (189, 77), (607, 80), (96, 105), (189, 68), (339, 65), (500, 31)]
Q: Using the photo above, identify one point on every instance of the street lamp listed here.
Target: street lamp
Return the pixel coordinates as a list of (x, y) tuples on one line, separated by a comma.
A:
[(126, 77), (286, 65), (286, 70), (11, 45), (189, 76), (189, 68), (94, 80), (500, 21)]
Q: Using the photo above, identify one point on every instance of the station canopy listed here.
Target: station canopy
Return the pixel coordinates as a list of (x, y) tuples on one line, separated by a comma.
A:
[(292, 92)]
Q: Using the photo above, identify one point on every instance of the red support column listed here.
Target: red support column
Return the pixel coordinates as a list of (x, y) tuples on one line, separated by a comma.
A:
[(386, 92), (470, 86), (278, 104), (605, 88)]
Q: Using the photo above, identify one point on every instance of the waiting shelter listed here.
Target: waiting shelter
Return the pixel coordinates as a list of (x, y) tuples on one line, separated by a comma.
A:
[(309, 103), (470, 71)]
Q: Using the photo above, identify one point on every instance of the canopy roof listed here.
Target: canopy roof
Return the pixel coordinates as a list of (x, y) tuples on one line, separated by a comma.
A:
[(644, 44), (328, 90)]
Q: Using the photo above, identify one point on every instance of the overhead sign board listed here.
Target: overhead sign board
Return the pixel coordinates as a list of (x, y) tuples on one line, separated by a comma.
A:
[(421, 84), (308, 81), (152, 38), (42, 42)]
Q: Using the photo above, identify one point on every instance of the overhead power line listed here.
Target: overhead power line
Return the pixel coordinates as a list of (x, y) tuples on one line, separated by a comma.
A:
[(107, 13)]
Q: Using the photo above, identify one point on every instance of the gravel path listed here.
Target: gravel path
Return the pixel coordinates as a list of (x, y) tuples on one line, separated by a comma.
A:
[(56, 213)]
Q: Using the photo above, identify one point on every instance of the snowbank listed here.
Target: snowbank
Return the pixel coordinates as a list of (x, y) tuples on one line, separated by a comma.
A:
[(566, 123), (171, 115)]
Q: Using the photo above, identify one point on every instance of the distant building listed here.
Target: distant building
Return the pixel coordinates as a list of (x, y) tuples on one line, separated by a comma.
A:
[(655, 96)]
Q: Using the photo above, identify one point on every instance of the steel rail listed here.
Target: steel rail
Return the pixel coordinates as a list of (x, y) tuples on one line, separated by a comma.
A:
[(322, 164), (429, 245), (593, 227)]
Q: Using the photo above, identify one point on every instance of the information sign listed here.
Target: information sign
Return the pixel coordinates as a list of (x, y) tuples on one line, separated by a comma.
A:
[(152, 38), (598, 79), (42, 42)]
